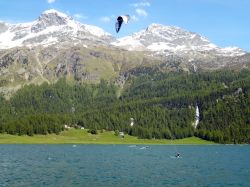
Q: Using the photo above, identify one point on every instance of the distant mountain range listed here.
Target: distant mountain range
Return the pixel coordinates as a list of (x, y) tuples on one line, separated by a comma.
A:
[(55, 45), (52, 27), (170, 40)]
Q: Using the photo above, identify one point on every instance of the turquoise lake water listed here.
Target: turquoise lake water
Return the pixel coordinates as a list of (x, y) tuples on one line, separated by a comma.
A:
[(124, 165)]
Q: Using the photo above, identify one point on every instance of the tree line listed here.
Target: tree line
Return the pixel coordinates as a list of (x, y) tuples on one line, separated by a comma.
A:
[(162, 105)]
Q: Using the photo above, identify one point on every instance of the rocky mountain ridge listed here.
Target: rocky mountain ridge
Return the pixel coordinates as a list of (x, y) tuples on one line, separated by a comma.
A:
[(54, 27), (170, 40), (51, 27), (56, 46)]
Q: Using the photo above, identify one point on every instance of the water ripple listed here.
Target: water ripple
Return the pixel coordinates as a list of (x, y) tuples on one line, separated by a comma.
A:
[(121, 165)]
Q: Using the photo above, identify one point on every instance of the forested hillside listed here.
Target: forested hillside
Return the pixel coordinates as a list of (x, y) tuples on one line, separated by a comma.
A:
[(162, 105)]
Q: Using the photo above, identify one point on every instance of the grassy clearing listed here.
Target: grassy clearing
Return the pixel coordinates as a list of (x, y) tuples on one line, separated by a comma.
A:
[(74, 136)]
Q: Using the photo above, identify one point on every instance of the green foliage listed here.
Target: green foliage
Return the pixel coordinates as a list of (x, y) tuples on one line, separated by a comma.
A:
[(116, 133), (162, 105), (33, 124), (93, 131), (227, 120)]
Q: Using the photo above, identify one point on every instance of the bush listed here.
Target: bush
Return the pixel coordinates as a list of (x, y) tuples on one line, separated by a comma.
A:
[(93, 131), (116, 132)]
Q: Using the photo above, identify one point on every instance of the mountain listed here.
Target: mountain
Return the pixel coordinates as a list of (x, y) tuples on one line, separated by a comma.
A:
[(51, 27), (189, 50), (170, 40), (157, 76), (54, 27), (55, 46)]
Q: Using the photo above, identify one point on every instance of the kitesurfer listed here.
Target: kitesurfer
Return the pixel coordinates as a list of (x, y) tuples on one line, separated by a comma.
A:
[(178, 155)]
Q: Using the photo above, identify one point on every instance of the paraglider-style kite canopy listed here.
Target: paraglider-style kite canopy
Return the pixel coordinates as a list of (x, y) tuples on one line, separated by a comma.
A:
[(120, 20)]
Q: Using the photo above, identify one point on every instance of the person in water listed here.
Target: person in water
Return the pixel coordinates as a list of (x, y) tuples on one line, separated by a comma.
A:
[(177, 155)]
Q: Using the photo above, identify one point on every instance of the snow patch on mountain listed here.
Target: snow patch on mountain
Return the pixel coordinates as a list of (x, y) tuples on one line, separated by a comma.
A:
[(129, 43), (53, 11), (96, 31), (51, 27), (232, 51), (54, 27), (170, 40)]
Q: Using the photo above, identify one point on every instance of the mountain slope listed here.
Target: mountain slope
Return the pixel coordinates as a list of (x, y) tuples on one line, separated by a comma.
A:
[(162, 73), (170, 40), (56, 46), (184, 50), (161, 104), (50, 28)]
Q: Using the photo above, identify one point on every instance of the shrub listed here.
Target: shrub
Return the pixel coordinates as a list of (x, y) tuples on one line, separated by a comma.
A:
[(93, 131)]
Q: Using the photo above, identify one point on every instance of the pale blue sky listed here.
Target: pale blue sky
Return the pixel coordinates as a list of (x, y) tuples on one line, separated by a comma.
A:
[(223, 22)]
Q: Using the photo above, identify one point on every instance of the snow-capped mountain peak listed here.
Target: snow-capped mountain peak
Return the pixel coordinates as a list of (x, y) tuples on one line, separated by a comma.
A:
[(51, 18), (159, 28), (54, 12), (51, 27), (168, 40)]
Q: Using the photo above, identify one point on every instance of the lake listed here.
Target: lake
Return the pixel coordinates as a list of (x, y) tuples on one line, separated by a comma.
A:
[(124, 165)]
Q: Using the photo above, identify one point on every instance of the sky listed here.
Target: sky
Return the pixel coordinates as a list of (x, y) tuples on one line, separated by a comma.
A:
[(224, 22)]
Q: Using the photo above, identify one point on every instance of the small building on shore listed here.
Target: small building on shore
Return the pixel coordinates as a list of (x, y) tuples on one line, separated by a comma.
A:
[(67, 127), (121, 134)]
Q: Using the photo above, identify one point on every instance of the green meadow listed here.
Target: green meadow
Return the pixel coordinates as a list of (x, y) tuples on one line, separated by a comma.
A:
[(77, 136)]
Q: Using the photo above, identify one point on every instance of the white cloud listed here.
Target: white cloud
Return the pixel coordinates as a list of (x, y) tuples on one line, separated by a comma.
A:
[(139, 8), (51, 1), (134, 18), (80, 16), (141, 4), (141, 12), (105, 19), (13, 21)]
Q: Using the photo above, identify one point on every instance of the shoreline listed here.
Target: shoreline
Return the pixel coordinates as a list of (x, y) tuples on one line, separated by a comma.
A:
[(76, 136)]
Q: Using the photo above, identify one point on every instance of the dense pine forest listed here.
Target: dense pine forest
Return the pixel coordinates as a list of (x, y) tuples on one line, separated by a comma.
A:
[(161, 104)]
